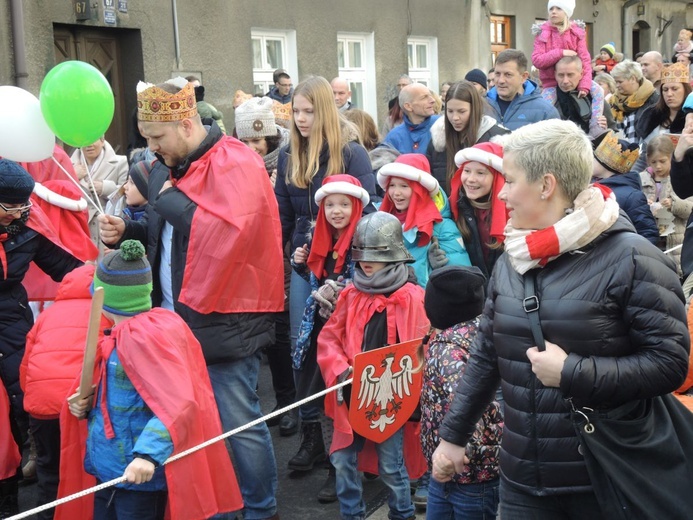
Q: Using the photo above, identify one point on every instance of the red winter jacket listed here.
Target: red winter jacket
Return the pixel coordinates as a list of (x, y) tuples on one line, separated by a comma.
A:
[(548, 49), (55, 346)]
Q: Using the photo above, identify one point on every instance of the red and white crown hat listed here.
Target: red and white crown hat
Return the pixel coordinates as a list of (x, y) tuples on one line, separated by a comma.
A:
[(342, 184), (412, 167)]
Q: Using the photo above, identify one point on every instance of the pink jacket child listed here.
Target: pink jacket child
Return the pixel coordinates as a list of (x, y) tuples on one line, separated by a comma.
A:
[(549, 44)]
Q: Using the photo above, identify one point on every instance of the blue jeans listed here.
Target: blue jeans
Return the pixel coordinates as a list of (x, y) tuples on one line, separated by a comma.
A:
[(517, 505), (453, 501), (392, 472), (234, 386), (299, 291), (125, 504)]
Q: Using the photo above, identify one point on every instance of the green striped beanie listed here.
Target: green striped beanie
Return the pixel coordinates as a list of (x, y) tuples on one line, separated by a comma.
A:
[(126, 278)]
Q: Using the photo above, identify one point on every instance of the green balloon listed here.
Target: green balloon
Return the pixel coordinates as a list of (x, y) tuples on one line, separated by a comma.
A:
[(77, 103)]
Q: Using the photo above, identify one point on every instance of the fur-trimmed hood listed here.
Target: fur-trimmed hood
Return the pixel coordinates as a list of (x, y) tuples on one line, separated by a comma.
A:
[(438, 131)]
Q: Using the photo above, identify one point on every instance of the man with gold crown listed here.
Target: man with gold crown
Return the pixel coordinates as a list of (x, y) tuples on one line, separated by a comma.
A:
[(214, 242)]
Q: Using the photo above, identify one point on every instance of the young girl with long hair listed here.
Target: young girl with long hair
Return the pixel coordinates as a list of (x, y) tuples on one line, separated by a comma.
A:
[(321, 143), (464, 125)]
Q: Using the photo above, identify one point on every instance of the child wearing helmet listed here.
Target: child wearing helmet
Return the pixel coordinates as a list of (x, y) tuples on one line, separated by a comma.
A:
[(382, 306)]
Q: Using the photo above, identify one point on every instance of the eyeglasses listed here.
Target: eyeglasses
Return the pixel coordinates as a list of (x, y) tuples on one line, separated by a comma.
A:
[(12, 211), (289, 85)]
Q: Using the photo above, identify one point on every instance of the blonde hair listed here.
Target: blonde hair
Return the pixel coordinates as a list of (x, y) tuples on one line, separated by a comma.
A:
[(553, 146), (304, 159)]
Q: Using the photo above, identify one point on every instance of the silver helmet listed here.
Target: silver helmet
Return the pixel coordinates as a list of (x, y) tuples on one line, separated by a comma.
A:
[(378, 238)]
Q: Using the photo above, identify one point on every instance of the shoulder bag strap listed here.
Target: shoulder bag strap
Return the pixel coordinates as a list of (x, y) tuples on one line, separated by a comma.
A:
[(531, 307)]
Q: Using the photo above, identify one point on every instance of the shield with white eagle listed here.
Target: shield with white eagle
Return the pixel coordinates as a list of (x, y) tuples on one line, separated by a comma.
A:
[(386, 390)]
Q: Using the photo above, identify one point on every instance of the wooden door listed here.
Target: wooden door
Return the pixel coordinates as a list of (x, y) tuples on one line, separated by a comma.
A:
[(100, 48)]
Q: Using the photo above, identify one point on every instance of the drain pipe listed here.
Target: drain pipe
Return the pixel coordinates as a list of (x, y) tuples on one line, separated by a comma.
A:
[(176, 38), (624, 8), (19, 49)]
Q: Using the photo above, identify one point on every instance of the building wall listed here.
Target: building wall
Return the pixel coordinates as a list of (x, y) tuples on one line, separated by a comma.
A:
[(214, 36)]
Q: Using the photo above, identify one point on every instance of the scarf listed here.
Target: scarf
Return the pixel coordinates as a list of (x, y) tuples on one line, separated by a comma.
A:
[(421, 214), (7, 232), (622, 105), (499, 213), (322, 242), (594, 211), (385, 281), (571, 111)]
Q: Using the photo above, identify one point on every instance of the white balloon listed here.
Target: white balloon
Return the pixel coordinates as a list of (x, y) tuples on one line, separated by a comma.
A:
[(24, 134)]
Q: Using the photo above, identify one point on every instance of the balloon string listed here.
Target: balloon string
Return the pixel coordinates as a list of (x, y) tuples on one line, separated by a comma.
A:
[(91, 181), (84, 192)]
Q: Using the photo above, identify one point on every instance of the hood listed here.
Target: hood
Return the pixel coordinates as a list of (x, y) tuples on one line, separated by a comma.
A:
[(438, 134), (381, 155), (77, 284), (630, 179)]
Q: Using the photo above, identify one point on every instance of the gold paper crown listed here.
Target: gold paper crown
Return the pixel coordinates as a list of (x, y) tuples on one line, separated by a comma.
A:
[(282, 113), (240, 97), (157, 105), (675, 73), (611, 155)]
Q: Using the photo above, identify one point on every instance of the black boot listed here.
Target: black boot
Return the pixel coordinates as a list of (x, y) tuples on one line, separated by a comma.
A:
[(9, 497), (328, 491), (312, 448), (288, 424)]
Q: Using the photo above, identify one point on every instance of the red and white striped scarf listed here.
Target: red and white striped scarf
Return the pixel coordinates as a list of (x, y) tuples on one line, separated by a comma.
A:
[(594, 211)]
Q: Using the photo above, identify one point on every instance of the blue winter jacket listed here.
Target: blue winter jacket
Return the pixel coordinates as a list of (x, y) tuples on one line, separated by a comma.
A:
[(411, 138), (632, 200), (449, 240), (137, 430), (297, 208), (525, 109)]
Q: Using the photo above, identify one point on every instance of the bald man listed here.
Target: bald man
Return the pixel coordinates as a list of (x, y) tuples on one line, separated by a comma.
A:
[(414, 134), (342, 94), (652, 64)]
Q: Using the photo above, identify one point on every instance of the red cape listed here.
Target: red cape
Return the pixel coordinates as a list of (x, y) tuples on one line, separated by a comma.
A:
[(234, 261), (73, 231), (341, 339), (9, 453), (156, 349)]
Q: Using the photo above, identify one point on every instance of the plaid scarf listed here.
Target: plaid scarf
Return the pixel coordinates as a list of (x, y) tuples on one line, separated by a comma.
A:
[(595, 210), (622, 105)]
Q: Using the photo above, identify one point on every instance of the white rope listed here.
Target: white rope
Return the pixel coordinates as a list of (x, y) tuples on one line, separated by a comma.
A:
[(673, 249), (182, 454), (84, 192)]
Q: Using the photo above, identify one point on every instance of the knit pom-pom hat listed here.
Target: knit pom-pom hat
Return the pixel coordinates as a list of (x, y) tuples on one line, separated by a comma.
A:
[(126, 278)]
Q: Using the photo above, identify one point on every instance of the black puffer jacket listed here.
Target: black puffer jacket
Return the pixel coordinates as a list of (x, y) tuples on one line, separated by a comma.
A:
[(617, 309), (682, 182), (15, 316), (224, 337)]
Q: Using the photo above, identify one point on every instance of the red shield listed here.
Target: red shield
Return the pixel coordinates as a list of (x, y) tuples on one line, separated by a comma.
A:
[(385, 390)]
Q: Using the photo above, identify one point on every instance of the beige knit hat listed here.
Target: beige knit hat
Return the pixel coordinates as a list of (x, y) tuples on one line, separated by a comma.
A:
[(255, 119)]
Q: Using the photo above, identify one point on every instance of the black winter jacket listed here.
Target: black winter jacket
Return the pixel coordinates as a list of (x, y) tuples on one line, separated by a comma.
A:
[(297, 208), (617, 309), (224, 337), (16, 317)]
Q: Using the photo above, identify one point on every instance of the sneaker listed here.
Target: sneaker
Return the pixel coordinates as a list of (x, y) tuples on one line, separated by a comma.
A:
[(420, 497)]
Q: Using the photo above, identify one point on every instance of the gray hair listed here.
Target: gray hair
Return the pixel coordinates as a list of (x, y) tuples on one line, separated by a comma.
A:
[(628, 69), (553, 146), (567, 60)]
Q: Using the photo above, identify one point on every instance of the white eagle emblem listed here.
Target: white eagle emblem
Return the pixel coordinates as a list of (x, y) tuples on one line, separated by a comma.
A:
[(381, 394)]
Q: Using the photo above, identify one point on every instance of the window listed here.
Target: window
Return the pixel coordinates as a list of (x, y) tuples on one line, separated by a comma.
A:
[(501, 35), (356, 62), (272, 50), (423, 60)]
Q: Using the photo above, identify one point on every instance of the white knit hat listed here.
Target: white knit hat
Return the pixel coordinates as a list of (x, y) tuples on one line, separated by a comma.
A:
[(568, 6), (255, 119)]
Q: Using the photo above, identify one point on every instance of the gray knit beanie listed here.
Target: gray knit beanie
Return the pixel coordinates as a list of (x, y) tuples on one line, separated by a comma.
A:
[(255, 119)]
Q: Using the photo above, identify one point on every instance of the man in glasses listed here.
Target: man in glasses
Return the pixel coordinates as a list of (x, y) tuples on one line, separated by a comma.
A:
[(283, 88), (26, 235)]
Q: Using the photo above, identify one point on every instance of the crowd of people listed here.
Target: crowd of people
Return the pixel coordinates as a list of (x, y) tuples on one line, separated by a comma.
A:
[(307, 235)]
